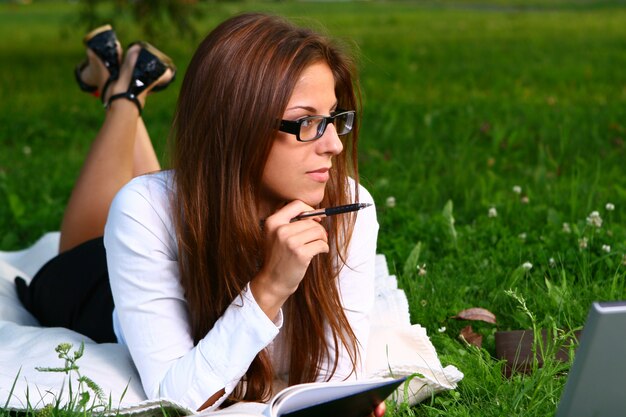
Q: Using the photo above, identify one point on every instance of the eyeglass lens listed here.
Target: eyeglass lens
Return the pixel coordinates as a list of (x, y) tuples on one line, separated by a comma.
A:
[(314, 127)]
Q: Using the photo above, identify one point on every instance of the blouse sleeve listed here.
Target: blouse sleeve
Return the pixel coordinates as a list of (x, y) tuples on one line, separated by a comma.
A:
[(356, 286), (151, 311)]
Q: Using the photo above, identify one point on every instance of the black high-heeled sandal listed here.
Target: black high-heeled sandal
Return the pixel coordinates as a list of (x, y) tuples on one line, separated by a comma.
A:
[(150, 65), (103, 42), (167, 61)]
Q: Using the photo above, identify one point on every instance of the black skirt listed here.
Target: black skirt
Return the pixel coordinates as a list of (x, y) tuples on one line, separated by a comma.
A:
[(72, 290)]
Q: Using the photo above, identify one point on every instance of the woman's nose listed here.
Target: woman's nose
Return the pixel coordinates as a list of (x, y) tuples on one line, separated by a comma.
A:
[(330, 142)]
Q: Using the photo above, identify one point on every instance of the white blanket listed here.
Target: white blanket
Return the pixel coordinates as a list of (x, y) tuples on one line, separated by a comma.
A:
[(396, 347)]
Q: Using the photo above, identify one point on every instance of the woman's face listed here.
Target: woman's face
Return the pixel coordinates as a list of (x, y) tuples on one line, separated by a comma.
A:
[(299, 170)]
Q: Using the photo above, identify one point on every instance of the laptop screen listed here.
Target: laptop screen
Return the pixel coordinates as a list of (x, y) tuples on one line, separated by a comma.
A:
[(596, 385)]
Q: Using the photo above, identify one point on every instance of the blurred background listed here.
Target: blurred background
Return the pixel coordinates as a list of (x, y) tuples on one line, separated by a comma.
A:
[(493, 139)]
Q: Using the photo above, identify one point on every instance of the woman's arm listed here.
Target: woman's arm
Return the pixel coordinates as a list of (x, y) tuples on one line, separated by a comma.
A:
[(151, 309)]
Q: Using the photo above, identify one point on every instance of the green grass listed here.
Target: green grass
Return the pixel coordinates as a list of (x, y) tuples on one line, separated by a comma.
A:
[(462, 102)]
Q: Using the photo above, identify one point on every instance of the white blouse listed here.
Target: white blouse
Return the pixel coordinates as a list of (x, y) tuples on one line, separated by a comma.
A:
[(151, 315)]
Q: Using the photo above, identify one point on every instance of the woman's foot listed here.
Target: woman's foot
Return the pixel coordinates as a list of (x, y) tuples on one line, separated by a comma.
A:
[(102, 65), (144, 68), (95, 73)]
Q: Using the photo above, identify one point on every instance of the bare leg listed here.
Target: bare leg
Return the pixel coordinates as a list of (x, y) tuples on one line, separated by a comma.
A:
[(120, 151), (145, 159)]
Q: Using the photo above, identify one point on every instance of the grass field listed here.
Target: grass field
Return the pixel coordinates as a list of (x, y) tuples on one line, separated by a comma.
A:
[(464, 102)]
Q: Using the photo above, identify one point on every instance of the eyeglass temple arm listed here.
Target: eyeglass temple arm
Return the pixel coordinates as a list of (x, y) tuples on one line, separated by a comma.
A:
[(289, 126)]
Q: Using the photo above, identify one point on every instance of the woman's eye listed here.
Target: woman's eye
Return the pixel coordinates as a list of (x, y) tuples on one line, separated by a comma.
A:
[(306, 123)]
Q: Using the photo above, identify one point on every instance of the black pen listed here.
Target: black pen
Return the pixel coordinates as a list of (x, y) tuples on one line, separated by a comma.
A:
[(331, 211)]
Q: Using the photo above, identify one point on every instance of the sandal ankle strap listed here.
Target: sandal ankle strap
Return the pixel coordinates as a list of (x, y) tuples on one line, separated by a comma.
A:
[(128, 96)]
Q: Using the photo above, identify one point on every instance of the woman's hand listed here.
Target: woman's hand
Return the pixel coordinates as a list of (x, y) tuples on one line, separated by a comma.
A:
[(380, 410), (289, 249)]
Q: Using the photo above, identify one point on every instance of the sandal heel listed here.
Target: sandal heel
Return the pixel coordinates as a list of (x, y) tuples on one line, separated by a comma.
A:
[(103, 42)]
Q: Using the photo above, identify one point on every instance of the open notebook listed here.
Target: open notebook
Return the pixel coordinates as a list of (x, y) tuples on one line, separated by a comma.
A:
[(596, 385)]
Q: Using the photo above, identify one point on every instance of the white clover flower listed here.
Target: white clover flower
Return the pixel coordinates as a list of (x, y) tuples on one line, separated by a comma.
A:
[(594, 219), (609, 207), (421, 270), (517, 189), (566, 228), (522, 236), (552, 262), (524, 199), (492, 212), (606, 248), (26, 150), (527, 266), (391, 202), (442, 329), (582, 243)]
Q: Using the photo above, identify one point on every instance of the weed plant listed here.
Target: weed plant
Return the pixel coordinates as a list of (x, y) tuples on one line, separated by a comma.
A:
[(492, 140), (84, 396)]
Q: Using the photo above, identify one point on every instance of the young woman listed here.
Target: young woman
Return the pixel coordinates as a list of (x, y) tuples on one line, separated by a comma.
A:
[(219, 294)]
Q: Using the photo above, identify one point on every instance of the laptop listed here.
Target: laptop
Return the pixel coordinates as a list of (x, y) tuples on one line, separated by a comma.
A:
[(596, 385)]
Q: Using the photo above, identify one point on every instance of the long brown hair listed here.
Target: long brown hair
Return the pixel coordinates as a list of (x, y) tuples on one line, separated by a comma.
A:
[(235, 90)]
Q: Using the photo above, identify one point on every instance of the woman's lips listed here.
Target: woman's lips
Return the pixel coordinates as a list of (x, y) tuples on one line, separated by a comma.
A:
[(319, 175)]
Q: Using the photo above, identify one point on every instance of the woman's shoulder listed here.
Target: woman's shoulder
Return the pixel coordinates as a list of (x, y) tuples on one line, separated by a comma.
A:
[(366, 220), (154, 182), (145, 193), (153, 187), (364, 195)]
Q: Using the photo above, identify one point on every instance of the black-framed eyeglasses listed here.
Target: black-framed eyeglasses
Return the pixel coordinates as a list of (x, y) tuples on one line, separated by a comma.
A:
[(310, 128)]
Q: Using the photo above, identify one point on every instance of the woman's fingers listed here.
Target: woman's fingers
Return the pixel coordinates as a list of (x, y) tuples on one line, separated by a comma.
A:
[(295, 235), (288, 212), (289, 249), (380, 410), (290, 246)]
